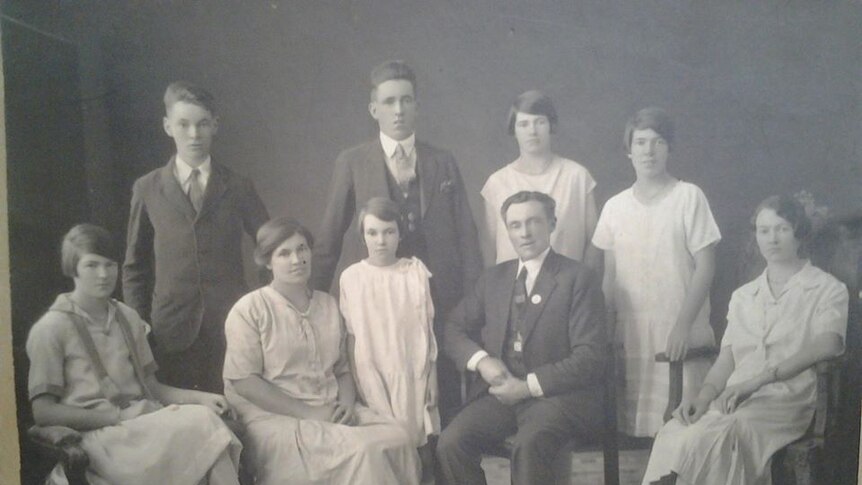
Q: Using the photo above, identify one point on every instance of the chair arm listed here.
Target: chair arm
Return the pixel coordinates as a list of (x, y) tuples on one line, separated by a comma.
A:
[(675, 376), (828, 395), (64, 444)]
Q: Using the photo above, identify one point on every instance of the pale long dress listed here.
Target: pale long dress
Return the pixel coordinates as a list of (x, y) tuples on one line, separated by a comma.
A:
[(566, 181), (303, 355), (654, 247), (389, 312), (762, 331), (152, 444)]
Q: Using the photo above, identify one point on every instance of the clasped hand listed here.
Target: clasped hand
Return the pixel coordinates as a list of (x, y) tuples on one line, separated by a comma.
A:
[(734, 395), (339, 413), (507, 388)]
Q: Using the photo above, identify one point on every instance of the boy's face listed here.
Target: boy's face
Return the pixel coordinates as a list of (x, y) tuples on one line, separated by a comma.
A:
[(393, 105), (192, 127)]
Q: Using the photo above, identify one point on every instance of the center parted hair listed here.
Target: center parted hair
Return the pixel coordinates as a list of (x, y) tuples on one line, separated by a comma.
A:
[(546, 200), (651, 118), (382, 208), (533, 102), (273, 233), (86, 239), (390, 70), (190, 93)]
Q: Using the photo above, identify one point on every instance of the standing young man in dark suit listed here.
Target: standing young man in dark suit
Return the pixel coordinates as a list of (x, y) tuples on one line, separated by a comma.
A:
[(426, 184), (183, 269), (533, 328)]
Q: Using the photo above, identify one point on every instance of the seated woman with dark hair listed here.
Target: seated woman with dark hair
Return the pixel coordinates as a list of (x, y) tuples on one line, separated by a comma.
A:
[(760, 394), (91, 369), (288, 376)]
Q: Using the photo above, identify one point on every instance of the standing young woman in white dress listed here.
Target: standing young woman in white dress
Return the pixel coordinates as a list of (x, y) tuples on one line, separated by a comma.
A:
[(659, 240), (532, 121), (760, 394), (387, 308)]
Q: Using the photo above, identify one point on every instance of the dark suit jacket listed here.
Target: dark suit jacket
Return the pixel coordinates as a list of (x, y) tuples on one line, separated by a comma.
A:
[(447, 223), (565, 342), (180, 265)]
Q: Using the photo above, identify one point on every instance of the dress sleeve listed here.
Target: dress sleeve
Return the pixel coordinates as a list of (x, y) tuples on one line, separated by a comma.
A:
[(46, 350), (700, 227), (244, 354), (731, 331), (344, 300), (830, 314), (603, 237)]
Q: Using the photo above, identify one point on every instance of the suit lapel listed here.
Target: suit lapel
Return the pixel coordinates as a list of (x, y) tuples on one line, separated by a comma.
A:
[(501, 305), (542, 289), (215, 189), (428, 170), (172, 191)]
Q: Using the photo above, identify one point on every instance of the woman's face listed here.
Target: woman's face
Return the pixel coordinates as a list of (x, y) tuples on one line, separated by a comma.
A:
[(649, 153), (97, 276), (533, 133), (775, 237), (290, 263), (381, 239)]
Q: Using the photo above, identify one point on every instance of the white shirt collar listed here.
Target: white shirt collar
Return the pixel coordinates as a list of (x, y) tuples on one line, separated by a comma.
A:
[(533, 267), (183, 171), (390, 144)]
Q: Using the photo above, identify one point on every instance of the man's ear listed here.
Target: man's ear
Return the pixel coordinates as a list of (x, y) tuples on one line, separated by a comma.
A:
[(215, 125), (553, 224), (166, 125), (372, 109)]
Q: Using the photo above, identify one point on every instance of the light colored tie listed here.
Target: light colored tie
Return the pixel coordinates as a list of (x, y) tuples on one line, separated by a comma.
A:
[(196, 190), (403, 171)]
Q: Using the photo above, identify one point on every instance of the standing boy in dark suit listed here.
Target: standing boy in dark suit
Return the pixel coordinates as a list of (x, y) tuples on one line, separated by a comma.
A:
[(183, 269), (426, 184), (533, 328)]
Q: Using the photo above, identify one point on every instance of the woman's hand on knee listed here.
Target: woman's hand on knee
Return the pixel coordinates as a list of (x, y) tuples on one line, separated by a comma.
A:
[(690, 410), (343, 413), (734, 395)]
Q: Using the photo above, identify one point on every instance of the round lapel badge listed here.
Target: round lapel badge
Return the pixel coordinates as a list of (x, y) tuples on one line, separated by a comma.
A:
[(536, 299)]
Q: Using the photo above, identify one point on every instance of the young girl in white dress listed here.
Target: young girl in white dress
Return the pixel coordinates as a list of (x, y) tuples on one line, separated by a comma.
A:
[(659, 239), (91, 369), (386, 303)]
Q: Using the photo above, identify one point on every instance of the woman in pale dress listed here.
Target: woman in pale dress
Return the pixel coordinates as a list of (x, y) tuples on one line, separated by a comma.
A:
[(386, 304), (658, 238), (532, 121), (91, 369), (760, 394), (288, 376)]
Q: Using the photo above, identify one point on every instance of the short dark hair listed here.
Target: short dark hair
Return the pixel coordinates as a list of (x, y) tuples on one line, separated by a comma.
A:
[(652, 118), (525, 196), (274, 232), (389, 70), (792, 211), (533, 102), (382, 208), (86, 239), (190, 93)]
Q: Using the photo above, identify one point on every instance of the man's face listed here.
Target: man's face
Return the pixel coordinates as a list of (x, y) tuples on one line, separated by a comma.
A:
[(192, 127), (529, 229), (393, 105)]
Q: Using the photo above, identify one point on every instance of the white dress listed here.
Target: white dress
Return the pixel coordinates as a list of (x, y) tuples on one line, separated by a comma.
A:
[(762, 331), (389, 312), (566, 181), (303, 355), (654, 247)]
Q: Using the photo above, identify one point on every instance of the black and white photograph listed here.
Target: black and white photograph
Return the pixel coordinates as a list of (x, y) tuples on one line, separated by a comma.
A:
[(402, 242)]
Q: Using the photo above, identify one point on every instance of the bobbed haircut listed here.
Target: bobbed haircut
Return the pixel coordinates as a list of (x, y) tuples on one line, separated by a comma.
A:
[(792, 211), (86, 239), (382, 208), (190, 93), (533, 102), (546, 200), (652, 118), (389, 70), (274, 232)]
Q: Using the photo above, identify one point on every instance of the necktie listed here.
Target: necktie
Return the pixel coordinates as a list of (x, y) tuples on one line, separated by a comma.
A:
[(520, 309), (403, 171), (196, 190)]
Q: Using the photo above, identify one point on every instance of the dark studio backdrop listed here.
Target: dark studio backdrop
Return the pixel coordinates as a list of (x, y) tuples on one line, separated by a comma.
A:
[(765, 96)]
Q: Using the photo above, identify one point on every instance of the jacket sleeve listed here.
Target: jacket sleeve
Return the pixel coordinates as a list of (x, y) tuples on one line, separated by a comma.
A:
[(586, 363), (468, 237), (340, 207), (463, 326), (138, 271)]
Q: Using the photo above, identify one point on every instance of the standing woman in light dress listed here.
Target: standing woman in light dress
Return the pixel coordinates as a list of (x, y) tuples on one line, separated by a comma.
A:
[(760, 394), (532, 121), (659, 239), (288, 376), (386, 303)]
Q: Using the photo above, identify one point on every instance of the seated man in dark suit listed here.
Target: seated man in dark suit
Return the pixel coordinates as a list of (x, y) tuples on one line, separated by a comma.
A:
[(533, 329)]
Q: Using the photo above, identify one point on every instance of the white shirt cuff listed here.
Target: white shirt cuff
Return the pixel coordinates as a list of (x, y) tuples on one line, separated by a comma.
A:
[(474, 361), (534, 386)]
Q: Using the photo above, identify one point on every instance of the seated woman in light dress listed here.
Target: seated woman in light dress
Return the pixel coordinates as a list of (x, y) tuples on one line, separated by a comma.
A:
[(532, 122), (760, 394), (91, 369), (288, 377)]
